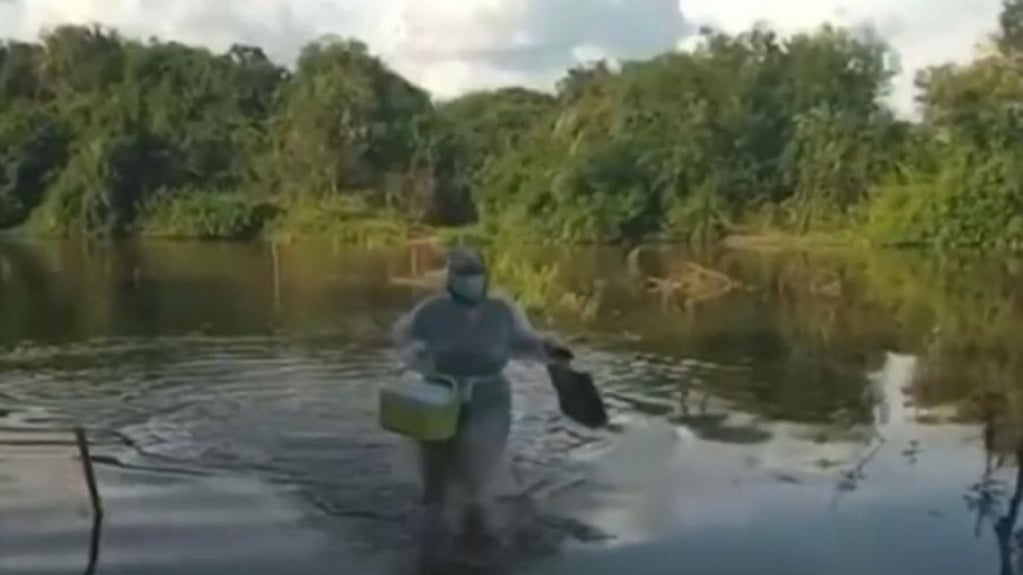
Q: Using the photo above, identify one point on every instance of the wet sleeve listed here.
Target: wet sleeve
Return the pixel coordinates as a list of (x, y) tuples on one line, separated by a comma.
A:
[(526, 343)]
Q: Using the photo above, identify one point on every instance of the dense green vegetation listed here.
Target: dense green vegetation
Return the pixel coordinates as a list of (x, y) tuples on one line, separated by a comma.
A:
[(105, 135)]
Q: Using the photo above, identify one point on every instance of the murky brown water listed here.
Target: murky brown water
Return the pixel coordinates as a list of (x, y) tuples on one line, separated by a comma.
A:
[(840, 413)]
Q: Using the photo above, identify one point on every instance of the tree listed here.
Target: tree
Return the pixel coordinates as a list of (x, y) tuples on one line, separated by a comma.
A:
[(347, 122), (1009, 38), (104, 134)]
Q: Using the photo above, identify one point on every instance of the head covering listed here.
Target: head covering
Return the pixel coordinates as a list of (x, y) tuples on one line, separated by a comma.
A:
[(465, 261), (466, 276)]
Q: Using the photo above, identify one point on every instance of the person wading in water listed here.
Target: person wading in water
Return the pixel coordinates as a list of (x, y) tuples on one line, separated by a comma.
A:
[(470, 335)]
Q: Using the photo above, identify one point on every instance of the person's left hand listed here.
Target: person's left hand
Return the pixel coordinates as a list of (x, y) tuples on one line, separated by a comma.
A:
[(556, 350)]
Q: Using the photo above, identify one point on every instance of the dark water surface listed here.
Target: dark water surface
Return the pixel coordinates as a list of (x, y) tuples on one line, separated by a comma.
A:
[(773, 412)]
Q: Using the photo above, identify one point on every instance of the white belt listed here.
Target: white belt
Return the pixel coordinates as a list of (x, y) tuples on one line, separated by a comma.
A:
[(464, 385)]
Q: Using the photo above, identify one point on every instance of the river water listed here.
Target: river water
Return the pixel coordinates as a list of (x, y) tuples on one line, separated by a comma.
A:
[(772, 411)]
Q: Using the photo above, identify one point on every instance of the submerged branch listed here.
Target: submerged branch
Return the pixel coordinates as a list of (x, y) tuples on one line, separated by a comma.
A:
[(694, 283)]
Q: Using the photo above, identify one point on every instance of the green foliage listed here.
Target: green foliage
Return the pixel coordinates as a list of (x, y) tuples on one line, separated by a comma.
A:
[(680, 143), (1010, 23), (972, 202), (101, 134), (97, 189), (345, 124), (205, 214), (963, 184), (349, 219), (533, 284), (33, 145), (699, 218), (489, 124)]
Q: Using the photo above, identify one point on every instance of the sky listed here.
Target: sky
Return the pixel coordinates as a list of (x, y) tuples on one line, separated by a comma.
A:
[(453, 46)]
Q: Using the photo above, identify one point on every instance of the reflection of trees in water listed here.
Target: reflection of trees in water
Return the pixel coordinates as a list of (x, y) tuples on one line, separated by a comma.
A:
[(965, 318), (955, 379), (986, 497), (695, 414), (877, 402), (68, 291), (851, 478), (71, 290), (810, 328), (1009, 538), (803, 328), (25, 280)]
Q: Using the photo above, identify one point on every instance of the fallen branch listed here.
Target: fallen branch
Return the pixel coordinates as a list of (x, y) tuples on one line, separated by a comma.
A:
[(700, 270), (430, 279), (694, 283)]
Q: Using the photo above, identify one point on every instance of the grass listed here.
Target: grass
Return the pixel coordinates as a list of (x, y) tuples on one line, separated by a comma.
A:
[(780, 240)]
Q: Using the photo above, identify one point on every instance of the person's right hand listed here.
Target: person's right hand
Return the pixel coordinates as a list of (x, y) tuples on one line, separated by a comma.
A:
[(418, 356), (419, 350)]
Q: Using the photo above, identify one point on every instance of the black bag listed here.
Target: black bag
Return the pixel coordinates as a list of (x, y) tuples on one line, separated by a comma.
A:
[(578, 397)]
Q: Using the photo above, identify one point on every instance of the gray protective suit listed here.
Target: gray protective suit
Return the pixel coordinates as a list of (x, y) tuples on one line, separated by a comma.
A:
[(471, 339)]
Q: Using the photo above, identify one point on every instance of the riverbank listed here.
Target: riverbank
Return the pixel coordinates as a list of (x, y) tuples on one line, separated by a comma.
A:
[(345, 222), (390, 230)]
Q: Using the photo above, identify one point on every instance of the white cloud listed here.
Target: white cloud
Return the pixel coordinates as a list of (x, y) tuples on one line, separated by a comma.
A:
[(532, 41), (451, 46)]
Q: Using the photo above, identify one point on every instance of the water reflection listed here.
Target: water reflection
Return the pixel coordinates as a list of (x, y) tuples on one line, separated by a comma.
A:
[(815, 392), (996, 499), (886, 398)]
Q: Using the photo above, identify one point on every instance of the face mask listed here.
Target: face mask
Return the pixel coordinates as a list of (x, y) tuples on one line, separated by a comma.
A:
[(471, 289)]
